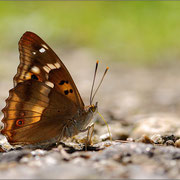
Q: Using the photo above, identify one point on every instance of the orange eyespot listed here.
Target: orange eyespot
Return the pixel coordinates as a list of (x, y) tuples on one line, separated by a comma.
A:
[(31, 75), (20, 122)]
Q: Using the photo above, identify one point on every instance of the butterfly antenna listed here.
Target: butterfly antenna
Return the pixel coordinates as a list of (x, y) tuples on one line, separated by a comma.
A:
[(97, 62), (100, 83)]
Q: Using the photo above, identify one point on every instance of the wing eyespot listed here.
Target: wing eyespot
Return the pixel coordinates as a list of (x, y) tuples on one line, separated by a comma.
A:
[(20, 122), (33, 76)]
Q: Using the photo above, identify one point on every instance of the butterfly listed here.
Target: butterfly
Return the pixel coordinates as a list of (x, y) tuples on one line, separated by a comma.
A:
[(44, 106)]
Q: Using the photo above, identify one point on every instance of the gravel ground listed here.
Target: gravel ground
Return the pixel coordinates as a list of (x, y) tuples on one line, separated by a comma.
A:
[(141, 106)]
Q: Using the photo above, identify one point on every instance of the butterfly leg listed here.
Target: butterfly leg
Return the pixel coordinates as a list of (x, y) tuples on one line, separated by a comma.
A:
[(90, 130), (91, 134)]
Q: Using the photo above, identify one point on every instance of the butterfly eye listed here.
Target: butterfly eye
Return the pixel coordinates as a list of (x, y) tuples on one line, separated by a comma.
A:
[(93, 108), (19, 122)]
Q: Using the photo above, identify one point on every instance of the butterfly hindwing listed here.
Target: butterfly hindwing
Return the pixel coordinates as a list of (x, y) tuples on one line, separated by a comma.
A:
[(41, 110)]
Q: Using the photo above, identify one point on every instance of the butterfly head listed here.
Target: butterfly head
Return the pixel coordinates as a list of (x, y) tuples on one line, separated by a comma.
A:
[(93, 108)]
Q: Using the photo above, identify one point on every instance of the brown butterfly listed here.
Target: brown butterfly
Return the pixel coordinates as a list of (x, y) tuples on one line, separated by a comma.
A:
[(44, 106)]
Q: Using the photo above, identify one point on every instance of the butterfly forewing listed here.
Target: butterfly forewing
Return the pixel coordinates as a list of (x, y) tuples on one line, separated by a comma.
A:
[(38, 61)]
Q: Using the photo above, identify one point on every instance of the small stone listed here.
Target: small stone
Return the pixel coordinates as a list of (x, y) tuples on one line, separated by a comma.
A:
[(157, 138), (106, 136), (177, 143), (130, 139), (38, 152), (169, 137), (169, 143), (145, 139), (156, 124)]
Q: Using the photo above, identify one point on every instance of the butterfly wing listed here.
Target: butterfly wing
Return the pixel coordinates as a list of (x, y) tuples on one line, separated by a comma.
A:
[(38, 61), (33, 113), (44, 98)]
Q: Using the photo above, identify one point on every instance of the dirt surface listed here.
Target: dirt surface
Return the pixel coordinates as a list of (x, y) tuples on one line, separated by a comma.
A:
[(141, 106)]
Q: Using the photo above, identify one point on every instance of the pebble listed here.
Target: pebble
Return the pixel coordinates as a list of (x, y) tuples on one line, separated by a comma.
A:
[(169, 143), (163, 124), (177, 143)]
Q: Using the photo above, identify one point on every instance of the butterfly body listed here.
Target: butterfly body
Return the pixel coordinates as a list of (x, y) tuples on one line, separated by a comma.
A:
[(44, 105)]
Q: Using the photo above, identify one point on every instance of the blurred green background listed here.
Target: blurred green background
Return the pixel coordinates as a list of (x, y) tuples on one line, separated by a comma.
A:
[(135, 32)]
